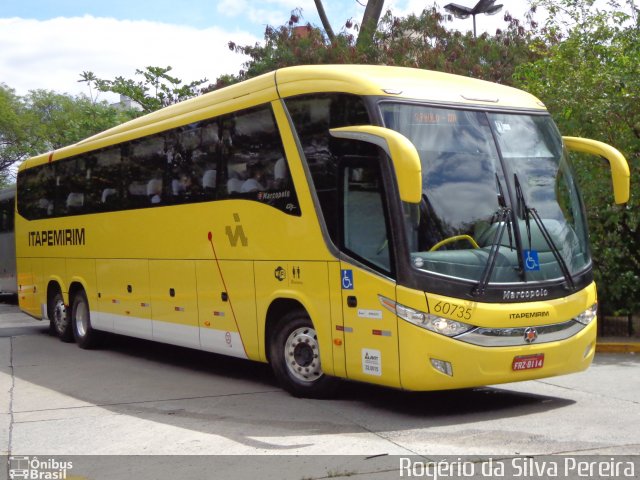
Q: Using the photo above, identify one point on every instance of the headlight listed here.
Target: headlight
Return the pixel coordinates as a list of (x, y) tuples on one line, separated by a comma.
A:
[(441, 325), (588, 315)]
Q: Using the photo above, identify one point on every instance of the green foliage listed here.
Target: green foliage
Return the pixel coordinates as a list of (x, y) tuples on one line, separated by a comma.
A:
[(296, 44), (420, 41), (590, 81), (423, 41), (12, 132), (156, 90), (44, 120)]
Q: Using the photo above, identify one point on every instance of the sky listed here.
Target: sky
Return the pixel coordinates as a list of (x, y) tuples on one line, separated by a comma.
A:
[(47, 44)]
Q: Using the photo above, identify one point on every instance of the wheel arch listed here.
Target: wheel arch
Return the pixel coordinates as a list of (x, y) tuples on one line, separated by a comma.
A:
[(278, 309), (283, 305), (54, 286), (74, 288)]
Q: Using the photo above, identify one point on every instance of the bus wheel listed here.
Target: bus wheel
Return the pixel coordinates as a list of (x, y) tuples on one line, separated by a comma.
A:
[(294, 354), (60, 320), (86, 337)]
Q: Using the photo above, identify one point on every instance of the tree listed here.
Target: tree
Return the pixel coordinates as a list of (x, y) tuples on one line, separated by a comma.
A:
[(421, 41), (12, 132), (90, 79), (424, 41), (590, 82), (158, 89), (44, 120), (368, 25)]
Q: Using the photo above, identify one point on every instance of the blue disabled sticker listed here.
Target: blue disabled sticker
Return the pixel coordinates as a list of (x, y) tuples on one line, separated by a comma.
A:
[(531, 262), (347, 279)]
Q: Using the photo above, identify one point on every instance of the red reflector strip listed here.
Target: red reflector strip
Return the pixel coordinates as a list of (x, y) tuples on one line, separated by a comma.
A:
[(382, 333), (179, 309), (340, 328), (144, 304), (115, 301), (218, 314)]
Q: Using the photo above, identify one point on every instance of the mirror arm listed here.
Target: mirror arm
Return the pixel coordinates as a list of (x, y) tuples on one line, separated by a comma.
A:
[(620, 174)]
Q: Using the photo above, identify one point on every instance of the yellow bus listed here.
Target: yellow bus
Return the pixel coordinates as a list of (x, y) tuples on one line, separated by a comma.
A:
[(402, 227)]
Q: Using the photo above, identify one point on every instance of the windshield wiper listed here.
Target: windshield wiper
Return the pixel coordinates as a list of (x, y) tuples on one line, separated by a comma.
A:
[(503, 216), (526, 213)]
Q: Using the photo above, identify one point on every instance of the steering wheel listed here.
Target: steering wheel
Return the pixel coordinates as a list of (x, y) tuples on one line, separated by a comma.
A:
[(455, 238)]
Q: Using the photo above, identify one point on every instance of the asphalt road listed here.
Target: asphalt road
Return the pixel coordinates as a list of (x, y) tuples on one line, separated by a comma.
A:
[(136, 397)]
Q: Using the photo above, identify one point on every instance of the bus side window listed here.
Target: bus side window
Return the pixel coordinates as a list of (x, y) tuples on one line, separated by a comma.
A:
[(144, 169), (253, 160), (313, 116), (107, 178), (364, 226)]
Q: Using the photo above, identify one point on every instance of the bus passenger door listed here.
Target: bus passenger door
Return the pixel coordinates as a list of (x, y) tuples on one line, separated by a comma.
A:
[(370, 330)]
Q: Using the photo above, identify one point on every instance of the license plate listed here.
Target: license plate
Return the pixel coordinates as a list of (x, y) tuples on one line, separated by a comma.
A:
[(528, 362)]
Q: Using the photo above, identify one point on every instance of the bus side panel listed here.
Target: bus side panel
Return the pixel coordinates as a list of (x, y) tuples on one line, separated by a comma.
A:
[(83, 271), (29, 270), (53, 272), (174, 305), (370, 330), (337, 320), (123, 291), (238, 277), (305, 282), (218, 329)]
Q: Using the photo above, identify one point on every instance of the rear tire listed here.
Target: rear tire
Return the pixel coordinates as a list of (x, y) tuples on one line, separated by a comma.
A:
[(294, 354), (86, 337), (59, 319)]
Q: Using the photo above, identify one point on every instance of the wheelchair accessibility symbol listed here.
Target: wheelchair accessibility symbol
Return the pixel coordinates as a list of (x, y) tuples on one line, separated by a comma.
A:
[(347, 279), (531, 261)]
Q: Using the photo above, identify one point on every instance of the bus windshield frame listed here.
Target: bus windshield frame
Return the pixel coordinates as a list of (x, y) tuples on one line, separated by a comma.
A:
[(500, 210)]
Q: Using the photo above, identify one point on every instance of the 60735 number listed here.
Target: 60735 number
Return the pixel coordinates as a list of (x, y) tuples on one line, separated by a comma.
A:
[(453, 310)]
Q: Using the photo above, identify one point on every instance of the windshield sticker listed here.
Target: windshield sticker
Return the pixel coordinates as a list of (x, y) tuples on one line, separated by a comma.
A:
[(531, 261), (502, 127)]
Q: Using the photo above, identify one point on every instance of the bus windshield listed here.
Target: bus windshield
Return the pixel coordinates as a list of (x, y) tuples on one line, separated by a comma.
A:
[(499, 200)]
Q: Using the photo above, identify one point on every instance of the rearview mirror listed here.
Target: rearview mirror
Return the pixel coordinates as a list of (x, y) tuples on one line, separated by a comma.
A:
[(619, 167)]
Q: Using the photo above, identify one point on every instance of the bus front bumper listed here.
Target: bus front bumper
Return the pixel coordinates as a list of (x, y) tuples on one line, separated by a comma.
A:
[(429, 361)]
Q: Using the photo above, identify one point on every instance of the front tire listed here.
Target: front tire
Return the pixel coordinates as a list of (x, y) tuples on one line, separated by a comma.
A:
[(59, 319), (294, 354), (86, 337)]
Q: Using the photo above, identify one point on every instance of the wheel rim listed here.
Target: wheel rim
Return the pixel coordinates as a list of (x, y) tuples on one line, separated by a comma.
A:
[(82, 318), (60, 316), (302, 355)]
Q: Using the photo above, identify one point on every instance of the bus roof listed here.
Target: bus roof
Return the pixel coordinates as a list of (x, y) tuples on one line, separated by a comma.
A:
[(402, 82), (392, 82)]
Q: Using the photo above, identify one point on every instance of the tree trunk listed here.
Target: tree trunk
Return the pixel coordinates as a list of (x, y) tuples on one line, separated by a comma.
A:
[(325, 21), (370, 20)]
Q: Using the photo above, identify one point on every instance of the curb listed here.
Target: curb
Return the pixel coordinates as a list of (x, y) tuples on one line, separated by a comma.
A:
[(618, 347)]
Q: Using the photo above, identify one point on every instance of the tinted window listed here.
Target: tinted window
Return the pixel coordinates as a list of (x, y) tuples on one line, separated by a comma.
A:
[(239, 155), (313, 116)]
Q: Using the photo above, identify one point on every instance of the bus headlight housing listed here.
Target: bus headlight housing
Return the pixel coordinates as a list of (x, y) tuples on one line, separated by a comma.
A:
[(588, 315), (434, 323)]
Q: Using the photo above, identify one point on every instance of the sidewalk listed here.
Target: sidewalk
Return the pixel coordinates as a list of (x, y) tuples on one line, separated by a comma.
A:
[(618, 345)]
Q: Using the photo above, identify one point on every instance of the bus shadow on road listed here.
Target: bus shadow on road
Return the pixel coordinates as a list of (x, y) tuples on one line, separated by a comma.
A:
[(235, 399)]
